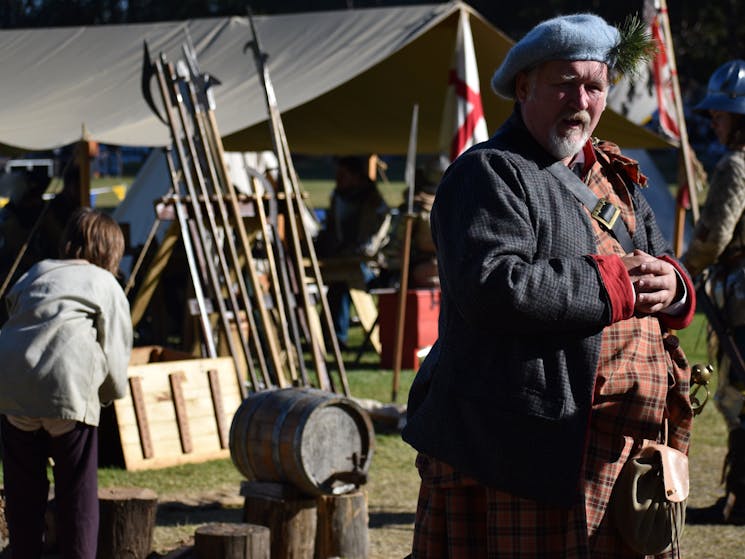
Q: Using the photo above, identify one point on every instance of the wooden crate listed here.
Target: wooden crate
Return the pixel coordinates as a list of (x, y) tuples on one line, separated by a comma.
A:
[(176, 412)]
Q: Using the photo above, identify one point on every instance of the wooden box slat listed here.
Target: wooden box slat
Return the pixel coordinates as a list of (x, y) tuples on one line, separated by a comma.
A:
[(201, 436)]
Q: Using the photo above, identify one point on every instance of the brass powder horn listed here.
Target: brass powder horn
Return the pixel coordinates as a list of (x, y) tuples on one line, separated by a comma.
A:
[(700, 377)]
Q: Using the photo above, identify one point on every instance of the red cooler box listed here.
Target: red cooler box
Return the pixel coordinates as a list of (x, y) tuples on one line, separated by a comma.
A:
[(422, 311)]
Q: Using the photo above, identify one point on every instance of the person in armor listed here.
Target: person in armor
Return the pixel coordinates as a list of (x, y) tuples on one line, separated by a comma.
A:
[(719, 244)]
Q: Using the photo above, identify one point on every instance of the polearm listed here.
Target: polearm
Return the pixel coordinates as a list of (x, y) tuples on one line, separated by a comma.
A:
[(403, 287), (148, 70), (31, 234), (280, 144), (24, 247), (212, 143), (191, 262), (203, 149), (283, 295), (171, 96), (208, 231)]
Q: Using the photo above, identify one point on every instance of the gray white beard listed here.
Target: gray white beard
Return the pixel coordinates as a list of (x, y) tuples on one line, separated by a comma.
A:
[(562, 147)]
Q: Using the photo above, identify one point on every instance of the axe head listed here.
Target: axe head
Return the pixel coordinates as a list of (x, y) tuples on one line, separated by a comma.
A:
[(148, 71)]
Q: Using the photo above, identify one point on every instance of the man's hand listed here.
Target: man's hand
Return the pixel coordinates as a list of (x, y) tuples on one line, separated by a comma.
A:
[(655, 282)]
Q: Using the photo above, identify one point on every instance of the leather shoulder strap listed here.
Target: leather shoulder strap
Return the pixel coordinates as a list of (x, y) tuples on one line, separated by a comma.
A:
[(601, 209)]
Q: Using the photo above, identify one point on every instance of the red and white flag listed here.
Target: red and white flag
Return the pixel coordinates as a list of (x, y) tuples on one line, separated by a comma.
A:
[(463, 123), (663, 76), (652, 89)]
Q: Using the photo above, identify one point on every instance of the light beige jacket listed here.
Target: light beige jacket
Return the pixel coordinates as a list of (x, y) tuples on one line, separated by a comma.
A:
[(65, 348)]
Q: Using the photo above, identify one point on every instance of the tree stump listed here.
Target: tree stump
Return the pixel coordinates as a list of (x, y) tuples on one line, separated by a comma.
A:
[(232, 541), (343, 526), (289, 515), (127, 522)]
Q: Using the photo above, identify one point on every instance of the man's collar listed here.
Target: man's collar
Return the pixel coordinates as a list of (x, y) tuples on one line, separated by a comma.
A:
[(586, 157)]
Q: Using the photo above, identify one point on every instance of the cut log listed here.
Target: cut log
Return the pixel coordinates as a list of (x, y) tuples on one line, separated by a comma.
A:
[(342, 529), (127, 522), (232, 541), (289, 514)]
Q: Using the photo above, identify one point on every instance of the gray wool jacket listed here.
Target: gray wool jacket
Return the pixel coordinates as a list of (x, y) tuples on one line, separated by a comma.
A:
[(504, 396), (65, 347)]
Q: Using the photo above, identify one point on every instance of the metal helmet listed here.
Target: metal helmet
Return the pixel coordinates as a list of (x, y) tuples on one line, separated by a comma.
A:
[(726, 89)]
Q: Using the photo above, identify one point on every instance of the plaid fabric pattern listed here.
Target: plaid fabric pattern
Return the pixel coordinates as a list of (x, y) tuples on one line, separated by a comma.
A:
[(458, 518)]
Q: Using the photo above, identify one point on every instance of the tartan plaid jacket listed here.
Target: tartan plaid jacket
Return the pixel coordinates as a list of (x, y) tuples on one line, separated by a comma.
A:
[(505, 394)]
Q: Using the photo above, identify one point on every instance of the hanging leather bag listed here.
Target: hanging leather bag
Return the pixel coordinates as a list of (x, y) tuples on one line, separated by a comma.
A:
[(649, 498)]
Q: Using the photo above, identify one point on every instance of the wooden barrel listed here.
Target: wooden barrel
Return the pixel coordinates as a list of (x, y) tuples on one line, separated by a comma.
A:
[(319, 442)]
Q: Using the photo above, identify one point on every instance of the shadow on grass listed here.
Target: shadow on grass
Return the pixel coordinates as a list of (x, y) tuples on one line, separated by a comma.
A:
[(175, 513)]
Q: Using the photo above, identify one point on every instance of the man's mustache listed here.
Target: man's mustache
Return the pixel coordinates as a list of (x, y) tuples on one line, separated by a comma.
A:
[(582, 116)]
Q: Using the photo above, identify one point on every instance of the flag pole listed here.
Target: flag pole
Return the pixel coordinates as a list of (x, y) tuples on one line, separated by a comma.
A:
[(662, 13)]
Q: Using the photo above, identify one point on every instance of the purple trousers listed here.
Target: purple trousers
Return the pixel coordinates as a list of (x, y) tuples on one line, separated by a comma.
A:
[(75, 456)]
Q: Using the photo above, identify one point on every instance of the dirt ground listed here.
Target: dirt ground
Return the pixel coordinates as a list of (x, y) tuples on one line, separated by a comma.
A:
[(390, 531), (391, 512), (391, 516)]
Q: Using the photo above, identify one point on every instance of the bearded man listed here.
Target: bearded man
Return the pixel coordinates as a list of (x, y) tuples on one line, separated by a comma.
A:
[(550, 369)]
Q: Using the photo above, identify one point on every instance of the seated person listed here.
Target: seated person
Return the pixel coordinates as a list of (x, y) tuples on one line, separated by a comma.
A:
[(356, 224)]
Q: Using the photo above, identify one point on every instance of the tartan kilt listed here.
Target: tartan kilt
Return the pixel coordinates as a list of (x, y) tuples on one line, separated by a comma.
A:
[(458, 518)]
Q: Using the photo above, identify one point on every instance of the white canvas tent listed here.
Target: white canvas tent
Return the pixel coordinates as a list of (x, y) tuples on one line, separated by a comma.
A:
[(345, 80)]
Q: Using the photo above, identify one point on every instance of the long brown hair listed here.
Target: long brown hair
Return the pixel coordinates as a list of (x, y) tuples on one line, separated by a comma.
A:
[(93, 236)]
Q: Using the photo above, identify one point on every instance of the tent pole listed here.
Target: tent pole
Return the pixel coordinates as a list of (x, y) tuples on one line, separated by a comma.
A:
[(403, 287), (84, 150)]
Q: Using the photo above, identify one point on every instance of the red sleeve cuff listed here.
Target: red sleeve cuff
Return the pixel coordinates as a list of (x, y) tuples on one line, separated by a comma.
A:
[(683, 319), (617, 284)]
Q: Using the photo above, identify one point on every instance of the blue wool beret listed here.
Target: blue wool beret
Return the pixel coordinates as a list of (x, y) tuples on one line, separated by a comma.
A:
[(572, 37)]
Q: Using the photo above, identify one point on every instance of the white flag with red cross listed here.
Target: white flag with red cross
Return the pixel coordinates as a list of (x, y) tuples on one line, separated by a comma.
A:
[(638, 97), (463, 123), (663, 78)]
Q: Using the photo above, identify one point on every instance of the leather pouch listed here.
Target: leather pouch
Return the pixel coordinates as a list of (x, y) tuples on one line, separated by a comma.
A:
[(649, 499)]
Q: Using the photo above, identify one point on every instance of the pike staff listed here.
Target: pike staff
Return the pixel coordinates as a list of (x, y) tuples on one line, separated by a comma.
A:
[(410, 174), (291, 191), (198, 89), (175, 112)]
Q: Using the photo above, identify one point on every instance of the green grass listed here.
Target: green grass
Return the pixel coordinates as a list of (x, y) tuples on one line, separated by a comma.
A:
[(374, 383), (318, 191), (175, 480), (393, 481)]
